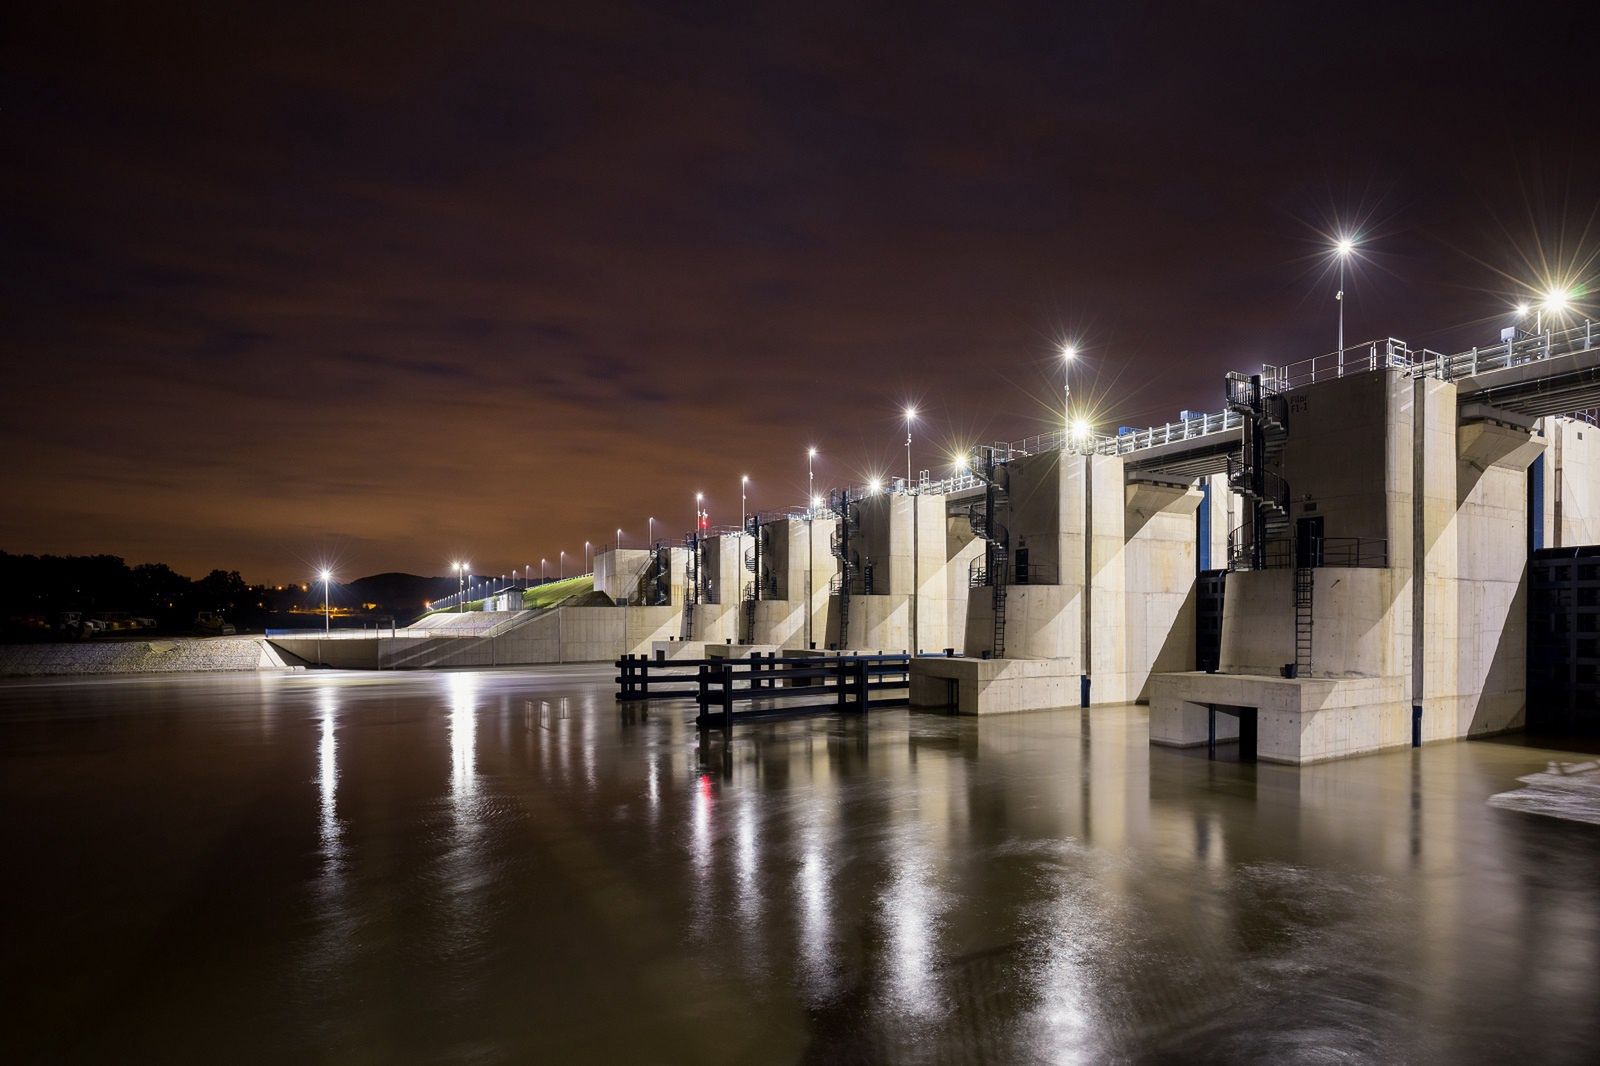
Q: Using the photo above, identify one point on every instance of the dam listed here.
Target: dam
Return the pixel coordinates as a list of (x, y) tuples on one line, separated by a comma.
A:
[(1352, 553)]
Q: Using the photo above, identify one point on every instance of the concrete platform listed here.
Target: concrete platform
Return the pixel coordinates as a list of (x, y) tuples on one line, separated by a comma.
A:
[(739, 651), (677, 649), (994, 686), (1298, 721)]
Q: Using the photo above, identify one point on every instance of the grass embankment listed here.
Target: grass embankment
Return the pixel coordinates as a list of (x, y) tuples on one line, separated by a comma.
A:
[(555, 592)]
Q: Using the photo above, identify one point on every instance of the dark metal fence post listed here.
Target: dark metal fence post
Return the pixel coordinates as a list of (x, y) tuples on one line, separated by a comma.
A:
[(842, 689), (703, 680), (861, 686), (727, 698)]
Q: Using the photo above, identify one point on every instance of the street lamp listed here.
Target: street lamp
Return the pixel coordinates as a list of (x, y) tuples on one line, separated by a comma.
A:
[(544, 565), (619, 538), (1068, 354), (744, 488), (327, 614), (1554, 303), (811, 477), (586, 556), (650, 531), (461, 582), (911, 416), (561, 565), (699, 513), (1344, 247)]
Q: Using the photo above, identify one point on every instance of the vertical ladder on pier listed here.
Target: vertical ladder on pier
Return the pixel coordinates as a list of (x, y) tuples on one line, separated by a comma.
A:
[(1303, 585), (998, 577)]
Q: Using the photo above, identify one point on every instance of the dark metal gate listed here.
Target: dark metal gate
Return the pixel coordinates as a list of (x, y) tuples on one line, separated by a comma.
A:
[(1208, 619), (1564, 640)]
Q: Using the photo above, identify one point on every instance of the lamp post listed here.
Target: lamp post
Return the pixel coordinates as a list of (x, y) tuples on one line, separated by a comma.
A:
[(699, 513), (561, 565), (461, 582), (619, 538), (544, 565), (744, 488), (327, 614), (911, 416), (811, 477), (650, 531), (586, 557), (1068, 354), (1343, 248)]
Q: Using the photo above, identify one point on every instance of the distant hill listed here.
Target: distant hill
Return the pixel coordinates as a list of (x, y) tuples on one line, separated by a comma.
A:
[(403, 593)]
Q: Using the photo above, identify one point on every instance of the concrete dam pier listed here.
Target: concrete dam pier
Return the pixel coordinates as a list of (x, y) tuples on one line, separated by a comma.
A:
[(1344, 558)]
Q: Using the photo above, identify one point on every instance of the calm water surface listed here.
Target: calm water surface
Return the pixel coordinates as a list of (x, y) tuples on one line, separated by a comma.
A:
[(499, 866)]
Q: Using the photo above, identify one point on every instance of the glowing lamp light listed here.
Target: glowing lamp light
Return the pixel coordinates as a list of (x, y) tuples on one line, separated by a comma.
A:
[(1523, 309), (1068, 352), (325, 576), (911, 414), (1344, 246), (874, 485), (1080, 428), (816, 501), (1556, 301)]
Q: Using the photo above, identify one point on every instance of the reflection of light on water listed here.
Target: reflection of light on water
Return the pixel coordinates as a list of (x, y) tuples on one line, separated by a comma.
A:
[(588, 743), (1070, 930), (749, 902), (700, 849), (328, 776), (811, 889), (911, 906), (463, 738)]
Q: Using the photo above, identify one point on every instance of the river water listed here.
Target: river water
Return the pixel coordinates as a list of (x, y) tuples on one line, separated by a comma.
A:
[(498, 866)]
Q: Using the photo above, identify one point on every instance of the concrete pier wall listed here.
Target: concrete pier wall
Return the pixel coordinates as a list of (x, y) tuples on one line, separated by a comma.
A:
[(1445, 489), (1139, 559)]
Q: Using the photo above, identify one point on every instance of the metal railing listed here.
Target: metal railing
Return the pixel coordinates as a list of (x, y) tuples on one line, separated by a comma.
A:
[(480, 591), (978, 574), (1529, 348), (1280, 553)]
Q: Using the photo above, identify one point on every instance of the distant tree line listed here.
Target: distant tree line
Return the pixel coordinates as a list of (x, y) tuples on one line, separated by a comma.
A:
[(37, 589)]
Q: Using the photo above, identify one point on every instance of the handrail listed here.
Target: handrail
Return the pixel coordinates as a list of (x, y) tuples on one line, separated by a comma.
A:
[(978, 573)]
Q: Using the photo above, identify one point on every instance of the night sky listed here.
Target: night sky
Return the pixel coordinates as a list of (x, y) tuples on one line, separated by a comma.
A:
[(391, 289)]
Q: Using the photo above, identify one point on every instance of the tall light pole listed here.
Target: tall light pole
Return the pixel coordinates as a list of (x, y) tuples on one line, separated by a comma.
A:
[(461, 582), (1343, 248), (327, 614), (811, 477), (619, 538), (1068, 354), (699, 512), (911, 416), (544, 565), (744, 489), (561, 565), (650, 531), (586, 557)]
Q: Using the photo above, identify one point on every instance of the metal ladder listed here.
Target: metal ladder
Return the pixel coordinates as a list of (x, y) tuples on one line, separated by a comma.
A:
[(984, 518), (999, 584), (1304, 584)]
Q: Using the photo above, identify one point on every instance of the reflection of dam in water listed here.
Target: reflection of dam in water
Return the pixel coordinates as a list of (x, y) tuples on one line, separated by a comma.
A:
[(1377, 548), (498, 863)]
